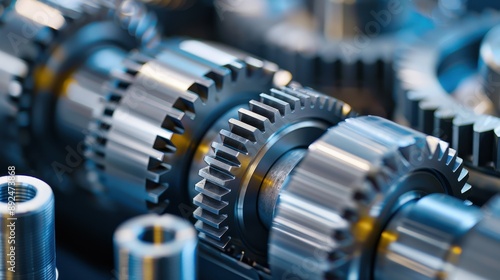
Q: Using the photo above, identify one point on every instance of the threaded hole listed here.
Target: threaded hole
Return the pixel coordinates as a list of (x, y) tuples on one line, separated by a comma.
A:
[(157, 235), (23, 192)]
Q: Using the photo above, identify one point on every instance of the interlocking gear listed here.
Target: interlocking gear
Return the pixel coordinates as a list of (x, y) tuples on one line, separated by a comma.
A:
[(352, 180), (442, 93), (157, 113), (283, 120)]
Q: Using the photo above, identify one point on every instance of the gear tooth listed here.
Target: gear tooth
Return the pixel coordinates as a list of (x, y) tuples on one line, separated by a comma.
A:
[(211, 190), (222, 166), (226, 154), (214, 175), (303, 95), (271, 113), (484, 140), (443, 125), (216, 221), (254, 119), (157, 194), (200, 90), (294, 102), (466, 188), (243, 130), (282, 106), (464, 174), (222, 245), (234, 141), (209, 204), (426, 117), (412, 107), (211, 232), (462, 135)]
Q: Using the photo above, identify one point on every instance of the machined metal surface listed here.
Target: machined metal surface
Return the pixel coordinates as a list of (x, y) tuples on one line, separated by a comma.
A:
[(284, 120), (350, 183), (489, 66), (441, 92), (155, 117), (156, 247), (27, 247)]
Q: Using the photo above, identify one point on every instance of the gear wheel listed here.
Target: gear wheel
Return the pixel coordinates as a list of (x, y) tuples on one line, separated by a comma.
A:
[(33, 76), (157, 113), (284, 120), (355, 65), (451, 104), (346, 188)]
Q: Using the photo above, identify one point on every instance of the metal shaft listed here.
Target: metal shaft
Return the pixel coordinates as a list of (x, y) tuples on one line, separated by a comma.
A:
[(27, 246), (152, 247)]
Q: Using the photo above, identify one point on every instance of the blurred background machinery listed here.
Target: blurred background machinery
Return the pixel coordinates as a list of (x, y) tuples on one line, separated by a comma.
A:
[(122, 113)]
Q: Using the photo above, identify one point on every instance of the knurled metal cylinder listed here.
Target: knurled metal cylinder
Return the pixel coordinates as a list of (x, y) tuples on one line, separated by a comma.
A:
[(27, 238), (155, 248)]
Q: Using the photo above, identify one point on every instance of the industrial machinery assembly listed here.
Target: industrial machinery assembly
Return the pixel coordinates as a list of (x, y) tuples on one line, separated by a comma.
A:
[(258, 140)]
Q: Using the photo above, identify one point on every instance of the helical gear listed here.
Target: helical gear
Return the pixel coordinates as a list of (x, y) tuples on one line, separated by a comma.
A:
[(283, 120), (346, 188), (158, 110)]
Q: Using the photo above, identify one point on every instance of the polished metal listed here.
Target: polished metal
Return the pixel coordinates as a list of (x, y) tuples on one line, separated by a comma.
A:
[(148, 137), (441, 237), (27, 239), (251, 148), (348, 186), (489, 66), (155, 247)]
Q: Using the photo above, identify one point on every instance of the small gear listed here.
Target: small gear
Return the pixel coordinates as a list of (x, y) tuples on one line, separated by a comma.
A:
[(442, 93), (284, 120), (339, 198), (157, 113)]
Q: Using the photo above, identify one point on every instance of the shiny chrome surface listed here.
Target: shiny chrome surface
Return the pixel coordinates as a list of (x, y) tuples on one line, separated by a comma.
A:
[(31, 225), (249, 149), (155, 247), (352, 180)]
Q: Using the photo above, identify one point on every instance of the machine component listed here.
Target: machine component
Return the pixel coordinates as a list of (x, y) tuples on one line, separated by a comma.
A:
[(442, 94), (489, 66), (347, 187), (27, 247), (159, 111), (53, 45), (156, 248), (344, 48), (249, 165), (439, 237)]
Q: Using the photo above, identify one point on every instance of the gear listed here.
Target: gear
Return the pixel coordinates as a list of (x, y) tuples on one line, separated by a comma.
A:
[(343, 192), (283, 121), (451, 103), (159, 109), (34, 78), (348, 55)]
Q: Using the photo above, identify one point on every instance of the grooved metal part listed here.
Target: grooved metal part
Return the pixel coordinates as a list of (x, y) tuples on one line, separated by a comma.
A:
[(430, 99), (284, 120), (157, 112), (355, 67), (27, 247), (352, 180)]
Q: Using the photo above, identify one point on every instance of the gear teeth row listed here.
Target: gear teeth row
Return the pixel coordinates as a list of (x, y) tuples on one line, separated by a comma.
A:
[(337, 186), (240, 144), (430, 109), (156, 112)]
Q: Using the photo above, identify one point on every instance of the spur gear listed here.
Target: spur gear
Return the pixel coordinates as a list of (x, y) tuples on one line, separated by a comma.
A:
[(251, 158), (442, 93), (145, 142), (48, 43), (347, 187), (343, 48)]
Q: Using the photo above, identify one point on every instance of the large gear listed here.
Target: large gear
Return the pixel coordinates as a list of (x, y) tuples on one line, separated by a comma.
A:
[(283, 121), (339, 198), (46, 41), (441, 92), (349, 55), (157, 113)]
